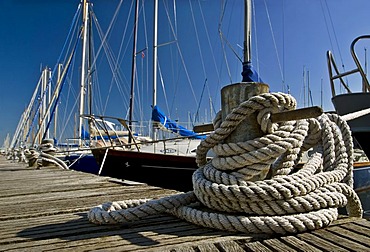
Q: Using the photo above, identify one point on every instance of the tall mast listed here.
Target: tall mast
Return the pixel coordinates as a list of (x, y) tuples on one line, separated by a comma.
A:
[(155, 47), (89, 77), (249, 75), (60, 66), (247, 31), (83, 67), (132, 94)]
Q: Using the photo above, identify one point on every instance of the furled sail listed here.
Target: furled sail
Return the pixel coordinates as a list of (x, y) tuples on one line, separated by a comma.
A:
[(159, 117), (250, 74)]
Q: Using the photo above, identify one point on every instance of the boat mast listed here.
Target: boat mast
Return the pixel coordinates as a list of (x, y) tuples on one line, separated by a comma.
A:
[(249, 75), (60, 67), (132, 94), (155, 47), (247, 31), (83, 67)]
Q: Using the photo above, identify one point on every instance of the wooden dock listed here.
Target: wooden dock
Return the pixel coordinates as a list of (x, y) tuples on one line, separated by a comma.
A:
[(46, 209)]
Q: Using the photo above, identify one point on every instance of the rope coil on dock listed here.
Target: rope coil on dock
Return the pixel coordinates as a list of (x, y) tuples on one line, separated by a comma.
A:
[(46, 154), (255, 186)]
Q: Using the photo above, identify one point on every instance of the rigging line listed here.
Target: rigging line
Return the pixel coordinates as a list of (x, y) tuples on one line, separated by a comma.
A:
[(181, 57), (71, 92), (222, 15), (202, 61), (197, 38), (212, 53), (274, 41), (330, 38), (175, 69), (17, 135), (42, 97), (55, 93), (115, 69), (175, 16), (70, 31), (208, 39), (223, 41), (233, 50), (69, 111), (142, 63), (162, 84), (108, 30), (201, 96), (255, 37), (335, 35), (62, 80), (222, 12), (326, 24), (142, 52), (93, 74), (117, 77)]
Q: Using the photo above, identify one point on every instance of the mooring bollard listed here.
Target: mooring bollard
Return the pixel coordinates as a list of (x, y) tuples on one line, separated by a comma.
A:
[(47, 147), (234, 94), (31, 156)]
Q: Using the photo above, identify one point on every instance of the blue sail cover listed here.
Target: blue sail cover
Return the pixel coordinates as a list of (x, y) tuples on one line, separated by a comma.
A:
[(84, 134), (249, 74), (159, 116)]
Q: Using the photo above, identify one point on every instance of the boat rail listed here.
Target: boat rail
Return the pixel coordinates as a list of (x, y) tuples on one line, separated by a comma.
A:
[(332, 65), (111, 138)]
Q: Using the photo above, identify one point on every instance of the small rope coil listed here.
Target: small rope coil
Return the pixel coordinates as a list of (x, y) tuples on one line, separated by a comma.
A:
[(47, 151), (229, 193), (31, 155)]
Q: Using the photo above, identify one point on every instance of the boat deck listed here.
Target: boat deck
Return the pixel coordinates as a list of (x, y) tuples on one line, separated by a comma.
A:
[(45, 209)]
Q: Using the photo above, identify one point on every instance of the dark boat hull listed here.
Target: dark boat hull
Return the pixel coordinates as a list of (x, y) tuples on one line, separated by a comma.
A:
[(166, 171), (85, 163), (360, 127)]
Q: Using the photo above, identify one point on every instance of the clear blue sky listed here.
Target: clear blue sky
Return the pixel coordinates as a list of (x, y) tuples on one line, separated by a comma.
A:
[(33, 32)]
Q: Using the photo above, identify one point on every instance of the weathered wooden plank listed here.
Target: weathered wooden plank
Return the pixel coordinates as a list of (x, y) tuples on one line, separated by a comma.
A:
[(171, 231), (78, 226), (46, 210), (363, 222), (277, 245), (298, 244), (207, 247), (182, 249), (340, 241), (256, 247), (64, 204), (230, 246), (351, 236), (320, 243), (357, 229)]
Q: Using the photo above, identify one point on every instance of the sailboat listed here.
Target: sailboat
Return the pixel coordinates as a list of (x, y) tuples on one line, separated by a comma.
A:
[(168, 162), (35, 125), (354, 107)]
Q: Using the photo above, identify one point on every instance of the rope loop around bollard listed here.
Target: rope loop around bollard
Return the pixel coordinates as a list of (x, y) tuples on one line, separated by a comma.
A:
[(228, 192)]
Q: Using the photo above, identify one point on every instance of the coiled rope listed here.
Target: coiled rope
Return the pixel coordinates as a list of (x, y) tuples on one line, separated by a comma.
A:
[(229, 193), (47, 151), (46, 154), (31, 155)]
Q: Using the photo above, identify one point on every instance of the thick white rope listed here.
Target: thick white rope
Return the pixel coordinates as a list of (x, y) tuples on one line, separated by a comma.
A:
[(355, 115), (226, 194), (44, 153), (31, 155)]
